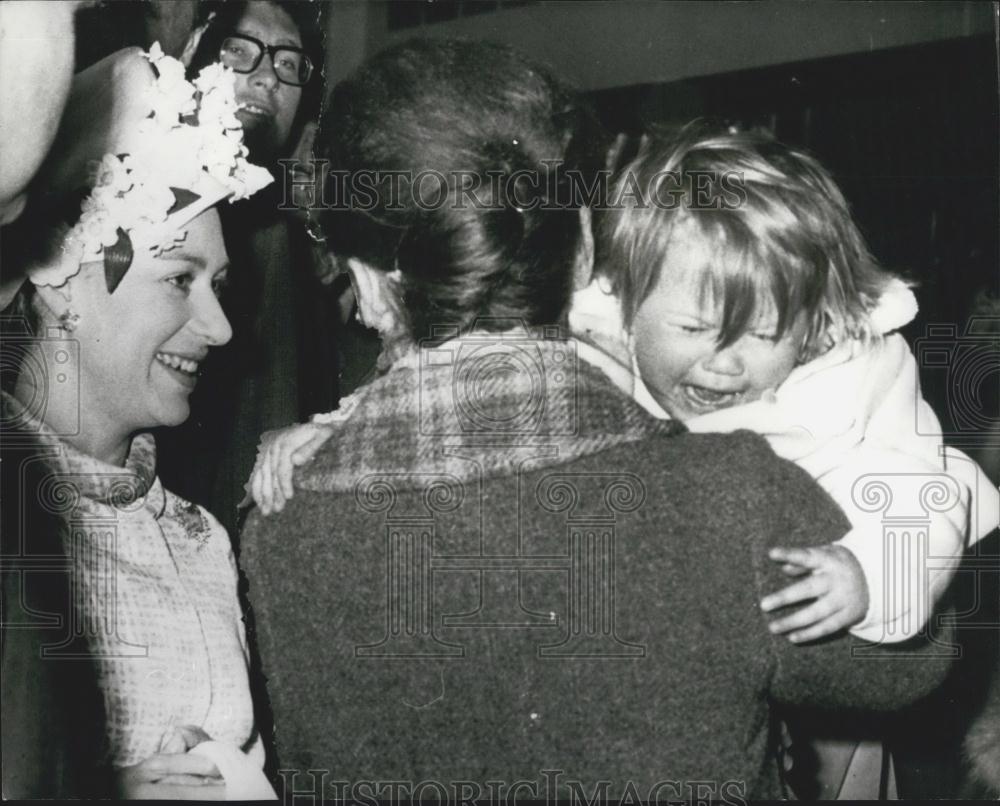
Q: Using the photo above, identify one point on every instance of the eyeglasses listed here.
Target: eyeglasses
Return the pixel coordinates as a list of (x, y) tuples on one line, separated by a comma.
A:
[(243, 54)]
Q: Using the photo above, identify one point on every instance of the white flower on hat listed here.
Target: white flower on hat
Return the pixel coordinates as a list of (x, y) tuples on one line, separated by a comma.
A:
[(219, 153), (132, 189), (112, 174), (217, 83), (98, 228), (171, 96), (248, 179)]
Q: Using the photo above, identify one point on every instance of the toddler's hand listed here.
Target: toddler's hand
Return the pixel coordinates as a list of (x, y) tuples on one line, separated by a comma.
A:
[(833, 577), (278, 454)]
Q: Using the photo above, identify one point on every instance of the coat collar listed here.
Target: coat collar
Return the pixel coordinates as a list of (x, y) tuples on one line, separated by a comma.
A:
[(122, 487), (475, 407)]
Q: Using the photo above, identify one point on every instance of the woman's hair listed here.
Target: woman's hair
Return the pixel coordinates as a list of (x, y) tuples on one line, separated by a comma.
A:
[(448, 160), (773, 218)]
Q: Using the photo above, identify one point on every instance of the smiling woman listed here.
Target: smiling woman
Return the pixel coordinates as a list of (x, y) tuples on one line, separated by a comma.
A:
[(121, 310), (147, 338)]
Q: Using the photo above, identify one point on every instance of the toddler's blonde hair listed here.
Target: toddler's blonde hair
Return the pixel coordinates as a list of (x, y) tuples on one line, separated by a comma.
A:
[(773, 218)]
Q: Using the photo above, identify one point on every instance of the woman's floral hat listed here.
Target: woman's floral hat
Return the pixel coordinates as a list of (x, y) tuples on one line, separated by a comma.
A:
[(182, 155)]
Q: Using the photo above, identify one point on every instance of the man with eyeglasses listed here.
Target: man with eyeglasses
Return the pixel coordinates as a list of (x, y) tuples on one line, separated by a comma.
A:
[(265, 51), (281, 363)]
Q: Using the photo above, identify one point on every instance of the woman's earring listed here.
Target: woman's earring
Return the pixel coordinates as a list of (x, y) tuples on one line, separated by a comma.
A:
[(68, 320)]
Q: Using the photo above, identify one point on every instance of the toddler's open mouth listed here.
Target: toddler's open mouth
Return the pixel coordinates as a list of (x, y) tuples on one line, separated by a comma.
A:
[(704, 399)]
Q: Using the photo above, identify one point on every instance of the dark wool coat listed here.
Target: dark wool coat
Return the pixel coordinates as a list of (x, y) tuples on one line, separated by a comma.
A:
[(574, 608)]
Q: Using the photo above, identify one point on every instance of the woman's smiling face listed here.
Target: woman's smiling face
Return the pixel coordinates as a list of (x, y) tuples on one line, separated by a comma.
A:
[(140, 347), (676, 332)]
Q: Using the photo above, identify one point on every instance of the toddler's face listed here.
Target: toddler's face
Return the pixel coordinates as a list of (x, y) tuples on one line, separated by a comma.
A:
[(676, 343)]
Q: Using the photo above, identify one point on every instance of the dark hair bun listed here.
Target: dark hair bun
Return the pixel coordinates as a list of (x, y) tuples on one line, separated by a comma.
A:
[(481, 142), (503, 251)]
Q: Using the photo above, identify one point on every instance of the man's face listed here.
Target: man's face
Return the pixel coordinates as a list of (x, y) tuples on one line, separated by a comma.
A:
[(269, 106)]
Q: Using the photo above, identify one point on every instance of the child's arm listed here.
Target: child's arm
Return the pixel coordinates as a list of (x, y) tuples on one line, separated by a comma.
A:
[(278, 454), (900, 420), (909, 508), (883, 578), (984, 506), (909, 527), (284, 449), (876, 448)]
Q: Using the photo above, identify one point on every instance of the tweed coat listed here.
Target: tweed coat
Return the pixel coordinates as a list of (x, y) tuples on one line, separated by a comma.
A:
[(461, 603)]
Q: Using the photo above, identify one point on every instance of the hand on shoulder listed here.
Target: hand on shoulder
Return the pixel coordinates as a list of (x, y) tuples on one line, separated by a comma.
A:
[(278, 454)]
